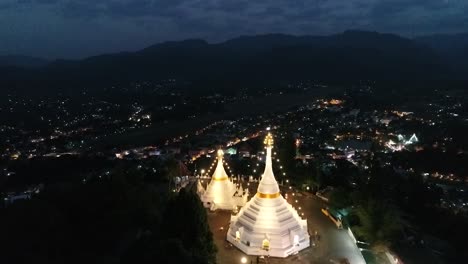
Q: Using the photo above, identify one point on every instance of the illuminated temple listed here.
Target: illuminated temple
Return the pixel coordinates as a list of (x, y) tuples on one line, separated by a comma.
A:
[(268, 225), (221, 193)]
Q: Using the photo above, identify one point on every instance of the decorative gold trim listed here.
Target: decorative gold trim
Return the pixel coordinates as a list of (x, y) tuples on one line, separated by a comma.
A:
[(268, 140), (268, 195), (222, 179)]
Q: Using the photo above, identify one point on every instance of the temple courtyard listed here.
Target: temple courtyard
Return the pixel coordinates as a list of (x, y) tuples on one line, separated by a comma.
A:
[(328, 243)]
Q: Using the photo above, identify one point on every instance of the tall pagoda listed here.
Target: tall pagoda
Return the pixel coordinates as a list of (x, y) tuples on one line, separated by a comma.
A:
[(268, 225), (219, 193)]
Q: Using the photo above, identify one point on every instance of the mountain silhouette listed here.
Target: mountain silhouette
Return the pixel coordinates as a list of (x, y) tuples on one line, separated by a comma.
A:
[(452, 48), (349, 56), (22, 61)]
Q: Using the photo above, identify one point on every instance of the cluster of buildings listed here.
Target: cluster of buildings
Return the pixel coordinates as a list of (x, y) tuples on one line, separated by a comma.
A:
[(27, 194), (330, 129), (401, 142), (60, 126)]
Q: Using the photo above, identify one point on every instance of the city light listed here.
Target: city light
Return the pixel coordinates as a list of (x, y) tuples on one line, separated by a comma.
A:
[(328, 145)]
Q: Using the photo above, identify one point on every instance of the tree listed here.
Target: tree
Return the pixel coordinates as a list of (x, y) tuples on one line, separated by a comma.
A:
[(186, 219), (170, 170), (379, 222), (343, 174), (340, 198), (33, 231)]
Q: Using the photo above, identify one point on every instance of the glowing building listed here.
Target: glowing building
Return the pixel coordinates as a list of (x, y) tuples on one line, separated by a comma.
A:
[(220, 192), (402, 142), (268, 225)]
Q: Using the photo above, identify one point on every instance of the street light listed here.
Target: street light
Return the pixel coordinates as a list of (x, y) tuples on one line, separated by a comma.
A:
[(202, 172), (243, 260)]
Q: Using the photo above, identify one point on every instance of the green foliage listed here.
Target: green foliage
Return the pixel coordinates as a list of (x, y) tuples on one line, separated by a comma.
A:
[(379, 222), (342, 174), (340, 198), (183, 236), (117, 217), (171, 169), (186, 219)]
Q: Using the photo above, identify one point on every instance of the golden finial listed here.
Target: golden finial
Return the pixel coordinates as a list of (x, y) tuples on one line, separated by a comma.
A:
[(268, 140), (220, 152)]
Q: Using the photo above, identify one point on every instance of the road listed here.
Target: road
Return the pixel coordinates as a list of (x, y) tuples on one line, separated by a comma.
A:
[(334, 244)]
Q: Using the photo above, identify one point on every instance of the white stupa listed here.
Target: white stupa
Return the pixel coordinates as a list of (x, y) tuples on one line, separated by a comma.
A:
[(268, 224), (219, 192)]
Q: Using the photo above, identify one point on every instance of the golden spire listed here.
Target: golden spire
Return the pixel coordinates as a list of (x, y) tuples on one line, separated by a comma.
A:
[(268, 187), (268, 140)]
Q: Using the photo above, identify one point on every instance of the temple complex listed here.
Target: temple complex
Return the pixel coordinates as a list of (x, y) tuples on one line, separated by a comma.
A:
[(268, 225)]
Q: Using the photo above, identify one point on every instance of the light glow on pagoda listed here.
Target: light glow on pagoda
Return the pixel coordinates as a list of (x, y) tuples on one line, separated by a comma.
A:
[(220, 191), (268, 224)]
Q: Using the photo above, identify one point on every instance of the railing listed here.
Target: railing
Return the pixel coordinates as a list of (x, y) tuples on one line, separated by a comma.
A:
[(336, 221)]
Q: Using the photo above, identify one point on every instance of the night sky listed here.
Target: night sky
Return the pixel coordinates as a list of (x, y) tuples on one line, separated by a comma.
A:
[(79, 28)]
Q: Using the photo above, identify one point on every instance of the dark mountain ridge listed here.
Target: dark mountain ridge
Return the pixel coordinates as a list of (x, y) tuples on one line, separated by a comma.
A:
[(452, 48), (350, 56), (22, 61)]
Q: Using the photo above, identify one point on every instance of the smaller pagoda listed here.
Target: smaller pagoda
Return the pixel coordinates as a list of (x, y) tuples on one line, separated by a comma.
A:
[(221, 192)]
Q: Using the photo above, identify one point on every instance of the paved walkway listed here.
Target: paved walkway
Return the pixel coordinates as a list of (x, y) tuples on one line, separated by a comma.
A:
[(335, 244), (331, 246)]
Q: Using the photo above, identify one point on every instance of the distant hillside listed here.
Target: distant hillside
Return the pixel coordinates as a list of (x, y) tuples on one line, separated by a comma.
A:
[(453, 49), (350, 56), (22, 61)]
